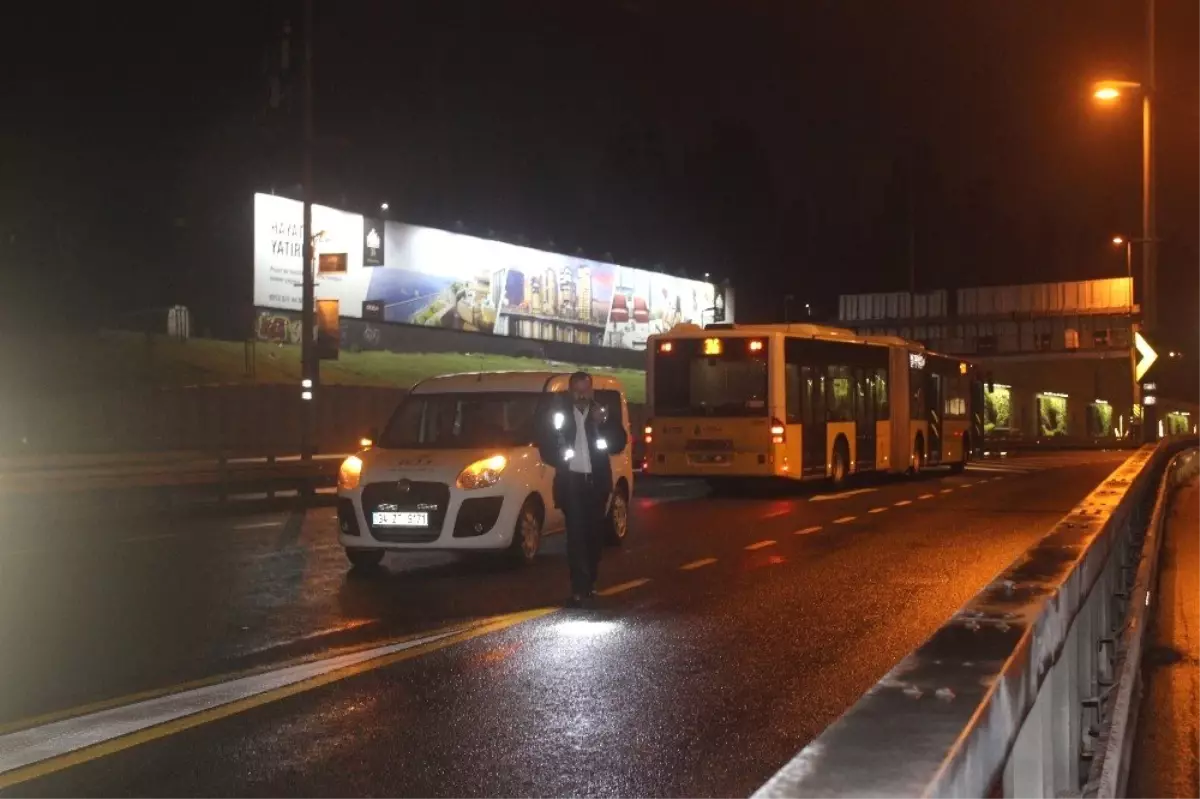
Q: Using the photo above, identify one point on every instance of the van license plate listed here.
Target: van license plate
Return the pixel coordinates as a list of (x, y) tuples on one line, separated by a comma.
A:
[(403, 519)]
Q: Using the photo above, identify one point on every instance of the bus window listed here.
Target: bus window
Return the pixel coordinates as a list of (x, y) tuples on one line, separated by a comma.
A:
[(814, 395), (879, 391), (792, 389), (916, 404), (689, 383), (840, 395), (863, 411), (957, 387)]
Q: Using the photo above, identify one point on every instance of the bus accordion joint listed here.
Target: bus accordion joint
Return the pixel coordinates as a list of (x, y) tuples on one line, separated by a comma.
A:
[(778, 431)]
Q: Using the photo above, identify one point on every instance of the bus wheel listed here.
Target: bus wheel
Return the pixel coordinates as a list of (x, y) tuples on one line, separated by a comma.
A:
[(841, 464)]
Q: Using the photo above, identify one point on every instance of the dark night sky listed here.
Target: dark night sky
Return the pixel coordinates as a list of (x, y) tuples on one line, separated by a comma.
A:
[(773, 142)]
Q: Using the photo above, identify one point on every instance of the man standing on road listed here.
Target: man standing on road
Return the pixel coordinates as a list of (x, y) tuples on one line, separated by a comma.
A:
[(580, 441)]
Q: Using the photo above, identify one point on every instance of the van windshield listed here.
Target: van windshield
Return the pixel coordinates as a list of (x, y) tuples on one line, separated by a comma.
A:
[(463, 421)]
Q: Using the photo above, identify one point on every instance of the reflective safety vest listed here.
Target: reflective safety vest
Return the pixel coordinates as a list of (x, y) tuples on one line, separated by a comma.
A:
[(568, 450)]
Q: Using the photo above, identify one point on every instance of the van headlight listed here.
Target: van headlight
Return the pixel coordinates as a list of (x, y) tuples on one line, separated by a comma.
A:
[(349, 474), (482, 473)]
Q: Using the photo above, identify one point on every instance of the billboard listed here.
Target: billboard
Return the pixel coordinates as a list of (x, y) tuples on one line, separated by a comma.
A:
[(395, 272)]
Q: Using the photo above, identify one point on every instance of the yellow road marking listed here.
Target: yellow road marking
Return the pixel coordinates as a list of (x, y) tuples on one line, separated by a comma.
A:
[(204, 682), (844, 519), (696, 564), (807, 530), (876, 510), (903, 502), (925, 496), (619, 587), (112, 746), (760, 544), (947, 490)]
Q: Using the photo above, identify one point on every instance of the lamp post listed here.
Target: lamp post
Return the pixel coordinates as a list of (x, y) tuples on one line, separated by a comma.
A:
[(1128, 243), (310, 367), (1109, 92)]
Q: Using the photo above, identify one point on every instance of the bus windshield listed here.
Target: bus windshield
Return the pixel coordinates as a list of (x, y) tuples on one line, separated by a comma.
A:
[(689, 383)]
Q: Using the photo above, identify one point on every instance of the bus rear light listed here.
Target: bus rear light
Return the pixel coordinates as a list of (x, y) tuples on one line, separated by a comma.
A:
[(665, 346), (648, 432), (777, 431), (755, 345), (712, 346)]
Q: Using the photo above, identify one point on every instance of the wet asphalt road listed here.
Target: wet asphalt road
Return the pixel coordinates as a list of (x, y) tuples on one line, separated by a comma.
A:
[(689, 681)]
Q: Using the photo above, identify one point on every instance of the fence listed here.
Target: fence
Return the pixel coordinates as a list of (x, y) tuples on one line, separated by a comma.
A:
[(1013, 695), (252, 419)]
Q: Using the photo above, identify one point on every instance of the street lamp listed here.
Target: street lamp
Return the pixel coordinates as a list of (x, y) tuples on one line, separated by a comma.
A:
[(1119, 241), (383, 206), (1108, 92)]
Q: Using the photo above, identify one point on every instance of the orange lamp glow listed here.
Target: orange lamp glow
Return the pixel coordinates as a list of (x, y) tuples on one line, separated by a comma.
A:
[(1117, 240), (1106, 94), (666, 346), (755, 345)]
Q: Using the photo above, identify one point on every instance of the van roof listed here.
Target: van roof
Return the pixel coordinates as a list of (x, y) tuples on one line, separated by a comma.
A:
[(467, 382)]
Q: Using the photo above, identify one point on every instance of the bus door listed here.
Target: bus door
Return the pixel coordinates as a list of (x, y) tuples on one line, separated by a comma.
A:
[(812, 387), (864, 419), (935, 400), (976, 409), (793, 400)]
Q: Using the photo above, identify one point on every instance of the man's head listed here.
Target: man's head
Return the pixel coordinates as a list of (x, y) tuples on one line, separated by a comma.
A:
[(580, 386)]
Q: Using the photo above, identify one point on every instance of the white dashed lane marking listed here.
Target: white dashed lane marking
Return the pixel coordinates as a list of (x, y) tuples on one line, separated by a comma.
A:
[(760, 545), (844, 519), (842, 495), (807, 531), (925, 496), (619, 587), (697, 564), (903, 502), (876, 510)]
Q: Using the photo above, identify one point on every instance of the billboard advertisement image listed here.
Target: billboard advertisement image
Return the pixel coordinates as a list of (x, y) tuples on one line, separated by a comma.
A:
[(396, 272)]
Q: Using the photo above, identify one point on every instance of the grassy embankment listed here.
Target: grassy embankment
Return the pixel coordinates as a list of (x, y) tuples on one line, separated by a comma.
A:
[(113, 359)]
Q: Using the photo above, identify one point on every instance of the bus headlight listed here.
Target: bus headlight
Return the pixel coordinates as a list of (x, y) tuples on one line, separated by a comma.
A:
[(350, 473), (482, 473)]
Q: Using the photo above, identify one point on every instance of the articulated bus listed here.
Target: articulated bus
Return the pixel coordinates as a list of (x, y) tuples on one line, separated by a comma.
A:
[(804, 402)]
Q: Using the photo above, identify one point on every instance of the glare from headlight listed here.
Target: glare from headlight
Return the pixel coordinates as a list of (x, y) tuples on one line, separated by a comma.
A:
[(482, 473), (349, 474)]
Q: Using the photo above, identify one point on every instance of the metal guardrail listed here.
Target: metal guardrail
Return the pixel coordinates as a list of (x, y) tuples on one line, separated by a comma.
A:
[(1008, 697), (1109, 771), (220, 475)]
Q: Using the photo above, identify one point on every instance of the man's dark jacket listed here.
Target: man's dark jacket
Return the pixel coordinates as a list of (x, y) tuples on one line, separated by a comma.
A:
[(604, 440)]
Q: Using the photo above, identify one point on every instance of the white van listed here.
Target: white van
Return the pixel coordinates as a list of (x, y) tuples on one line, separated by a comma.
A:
[(457, 468)]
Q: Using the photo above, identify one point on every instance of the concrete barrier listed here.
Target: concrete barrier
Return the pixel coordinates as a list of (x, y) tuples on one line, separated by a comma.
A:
[(1008, 697)]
